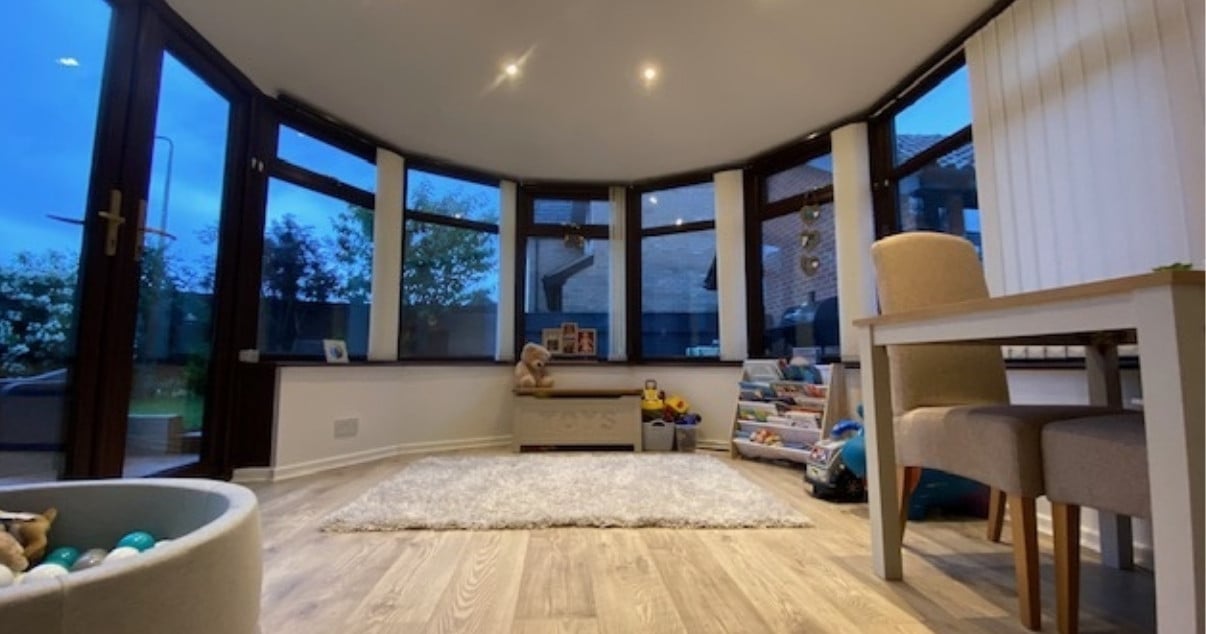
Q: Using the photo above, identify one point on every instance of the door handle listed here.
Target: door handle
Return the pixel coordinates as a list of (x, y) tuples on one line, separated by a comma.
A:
[(113, 217)]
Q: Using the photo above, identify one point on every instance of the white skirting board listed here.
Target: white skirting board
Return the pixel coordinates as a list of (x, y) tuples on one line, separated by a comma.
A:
[(248, 475), (285, 472)]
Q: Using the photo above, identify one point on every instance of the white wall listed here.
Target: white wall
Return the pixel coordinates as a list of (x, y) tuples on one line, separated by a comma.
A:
[(1088, 121), (405, 409), (400, 409)]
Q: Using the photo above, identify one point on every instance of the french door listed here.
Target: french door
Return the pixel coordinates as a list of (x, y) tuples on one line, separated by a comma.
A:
[(122, 147)]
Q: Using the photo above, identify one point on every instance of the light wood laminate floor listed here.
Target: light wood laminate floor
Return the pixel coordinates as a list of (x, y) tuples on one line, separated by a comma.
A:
[(651, 580)]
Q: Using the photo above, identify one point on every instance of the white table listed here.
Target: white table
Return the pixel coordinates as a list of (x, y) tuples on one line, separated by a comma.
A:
[(1163, 313)]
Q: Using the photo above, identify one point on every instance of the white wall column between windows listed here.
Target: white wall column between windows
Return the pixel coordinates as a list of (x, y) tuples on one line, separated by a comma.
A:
[(854, 229), (730, 263), (504, 348), (387, 257)]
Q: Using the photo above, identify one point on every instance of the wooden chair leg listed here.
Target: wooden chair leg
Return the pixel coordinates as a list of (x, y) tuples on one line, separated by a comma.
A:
[(907, 479), (996, 514), (1025, 560), (1066, 526)]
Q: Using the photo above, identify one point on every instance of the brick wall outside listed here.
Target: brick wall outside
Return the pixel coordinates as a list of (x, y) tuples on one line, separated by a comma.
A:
[(784, 283)]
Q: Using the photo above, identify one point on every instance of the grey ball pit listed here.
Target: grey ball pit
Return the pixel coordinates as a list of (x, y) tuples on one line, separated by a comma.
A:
[(205, 581)]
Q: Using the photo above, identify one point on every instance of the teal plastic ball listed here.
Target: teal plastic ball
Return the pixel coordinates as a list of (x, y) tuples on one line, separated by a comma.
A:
[(140, 540), (64, 556)]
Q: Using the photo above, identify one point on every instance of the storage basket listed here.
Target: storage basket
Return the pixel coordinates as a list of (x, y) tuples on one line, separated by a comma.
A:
[(657, 436)]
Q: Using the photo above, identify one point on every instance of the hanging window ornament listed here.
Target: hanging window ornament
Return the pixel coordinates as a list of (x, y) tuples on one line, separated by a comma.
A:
[(810, 213), (810, 264)]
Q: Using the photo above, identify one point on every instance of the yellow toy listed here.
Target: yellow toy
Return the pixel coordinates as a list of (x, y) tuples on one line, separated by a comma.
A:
[(676, 404), (651, 401)]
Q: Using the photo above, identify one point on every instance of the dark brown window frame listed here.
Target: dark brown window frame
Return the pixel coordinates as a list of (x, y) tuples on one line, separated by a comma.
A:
[(426, 217), (526, 228), (757, 211), (635, 233), (286, 113), (886, 174)]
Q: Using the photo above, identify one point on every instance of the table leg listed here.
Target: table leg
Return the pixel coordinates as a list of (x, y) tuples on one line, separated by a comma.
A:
[(1105, 388), (881, 458), (1169, 321)]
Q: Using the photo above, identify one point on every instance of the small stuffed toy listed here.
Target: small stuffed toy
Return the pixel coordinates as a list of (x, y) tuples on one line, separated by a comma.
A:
[(12, 555), (30, 531), (530, 371)]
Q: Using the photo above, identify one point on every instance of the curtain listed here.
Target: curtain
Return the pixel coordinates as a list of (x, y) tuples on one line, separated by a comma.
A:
[(1088, 126)]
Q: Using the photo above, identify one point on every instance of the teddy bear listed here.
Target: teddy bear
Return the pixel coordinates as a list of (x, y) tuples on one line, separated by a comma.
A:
[(530, 370), (12, 554), (29, 531)]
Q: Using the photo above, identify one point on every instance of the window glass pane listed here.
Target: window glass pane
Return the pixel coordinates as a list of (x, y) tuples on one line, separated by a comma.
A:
[(449, 292), (317, 272), (53, 54), (558, 211), (679, 205), (567, 283), (941, 196), (799, 284), (800, 179), (941, 112), (678, 295), (318, 156), (447, 196)]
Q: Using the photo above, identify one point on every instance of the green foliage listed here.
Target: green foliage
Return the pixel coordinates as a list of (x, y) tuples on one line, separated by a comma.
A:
[(37, 298), (295, 267), (352, 253), (445, 266), (1175, 266)]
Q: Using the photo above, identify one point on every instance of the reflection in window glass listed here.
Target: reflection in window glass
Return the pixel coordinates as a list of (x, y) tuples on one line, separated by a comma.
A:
[(941, 196), (567, 283), (323, 158), (558, 211), (53, 56), (680, 205), (453, 197), (939, 113), (800, 179), (799, 284), (449, 292), (317, 272), (678, 295)]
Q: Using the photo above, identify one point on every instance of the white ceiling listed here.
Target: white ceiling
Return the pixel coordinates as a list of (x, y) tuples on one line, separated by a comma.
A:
[(738, 76)]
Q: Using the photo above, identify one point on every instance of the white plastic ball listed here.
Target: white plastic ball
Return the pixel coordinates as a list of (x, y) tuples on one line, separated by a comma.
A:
[(161, 542), (44, 571), (122, 552), (7, 577)]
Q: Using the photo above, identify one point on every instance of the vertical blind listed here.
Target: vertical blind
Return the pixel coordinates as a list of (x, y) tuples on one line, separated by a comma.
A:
[(1088, 126)]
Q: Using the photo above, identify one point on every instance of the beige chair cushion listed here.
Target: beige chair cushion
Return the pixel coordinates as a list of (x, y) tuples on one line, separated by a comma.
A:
[(1099, 462), (998, 445), (923, 269)]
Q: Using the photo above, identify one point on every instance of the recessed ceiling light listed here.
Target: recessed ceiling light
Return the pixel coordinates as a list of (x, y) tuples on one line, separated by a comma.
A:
[(511, 69), (649, 73), (70, 62)]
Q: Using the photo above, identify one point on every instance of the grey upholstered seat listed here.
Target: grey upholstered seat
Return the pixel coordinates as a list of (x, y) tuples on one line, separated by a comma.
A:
[(951, 402), (1100, 462), (998, 445)]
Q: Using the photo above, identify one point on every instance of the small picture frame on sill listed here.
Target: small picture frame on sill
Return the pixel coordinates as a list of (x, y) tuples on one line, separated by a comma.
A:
[(335, 350), (550, 338)]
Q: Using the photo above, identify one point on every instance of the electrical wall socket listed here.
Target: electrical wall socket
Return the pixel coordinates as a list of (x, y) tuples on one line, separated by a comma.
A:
[(346, 427)]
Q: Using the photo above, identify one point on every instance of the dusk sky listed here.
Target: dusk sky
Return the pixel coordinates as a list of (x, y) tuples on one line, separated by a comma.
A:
[(54, 53)]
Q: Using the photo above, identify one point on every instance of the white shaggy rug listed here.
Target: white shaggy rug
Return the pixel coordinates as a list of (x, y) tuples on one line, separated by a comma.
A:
[(568, 489)]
